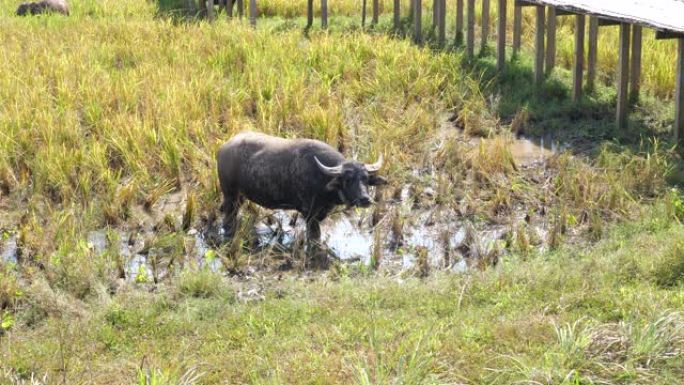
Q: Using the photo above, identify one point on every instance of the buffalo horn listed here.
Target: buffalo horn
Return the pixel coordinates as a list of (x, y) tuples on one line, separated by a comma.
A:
[(375, 166), (331, 171)]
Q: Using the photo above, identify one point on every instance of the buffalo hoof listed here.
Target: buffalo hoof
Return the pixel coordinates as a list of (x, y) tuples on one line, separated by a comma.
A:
[(317, 258)]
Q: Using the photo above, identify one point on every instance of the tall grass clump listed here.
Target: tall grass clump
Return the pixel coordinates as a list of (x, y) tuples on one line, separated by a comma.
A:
[(203, 284), (615, 182)]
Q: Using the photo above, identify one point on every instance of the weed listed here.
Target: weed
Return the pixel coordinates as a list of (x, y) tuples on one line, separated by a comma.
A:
[(203, 284), (668, 269)]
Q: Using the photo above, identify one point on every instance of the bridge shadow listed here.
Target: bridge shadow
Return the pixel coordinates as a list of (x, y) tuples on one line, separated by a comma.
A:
[(179, 10), (549, 107), (551, 110)]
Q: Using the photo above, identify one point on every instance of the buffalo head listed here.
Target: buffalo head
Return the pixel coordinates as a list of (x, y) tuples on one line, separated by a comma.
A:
[(351, 180), (23, 9)]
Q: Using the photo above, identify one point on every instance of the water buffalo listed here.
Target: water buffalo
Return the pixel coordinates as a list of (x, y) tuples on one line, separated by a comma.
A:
[(44, 6), (299, 174)]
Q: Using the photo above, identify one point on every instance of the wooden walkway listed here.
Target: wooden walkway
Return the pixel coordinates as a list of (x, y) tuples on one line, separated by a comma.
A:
[(665, 17)]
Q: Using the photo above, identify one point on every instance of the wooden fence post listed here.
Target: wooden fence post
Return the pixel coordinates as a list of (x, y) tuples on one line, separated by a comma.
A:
[(441, 25), (592, 54), (539, 46), (210, 9), (679, 93), (435, 13), (485, 25), (309, 13), (324, 14), (364, 6), (397, 13), (376, 12), (470, 38), (501, 32), (551, 40), (623, 76), (577, 72), (418, 22), (635, 77), (459, 22), (252, 12), (517, 28)]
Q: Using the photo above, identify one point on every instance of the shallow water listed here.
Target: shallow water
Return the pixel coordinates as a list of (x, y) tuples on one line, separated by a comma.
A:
[(9, 249), (347, 240), (527, 152)]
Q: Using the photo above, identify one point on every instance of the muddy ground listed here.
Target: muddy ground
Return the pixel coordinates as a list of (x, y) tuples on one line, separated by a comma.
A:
[(408, 231)]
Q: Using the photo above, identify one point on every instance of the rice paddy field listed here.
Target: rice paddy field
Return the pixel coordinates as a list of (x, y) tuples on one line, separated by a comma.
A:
[(521, 239)]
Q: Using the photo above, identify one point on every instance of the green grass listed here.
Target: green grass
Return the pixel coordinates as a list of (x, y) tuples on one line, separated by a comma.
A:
[(114, 112), (598, 315)]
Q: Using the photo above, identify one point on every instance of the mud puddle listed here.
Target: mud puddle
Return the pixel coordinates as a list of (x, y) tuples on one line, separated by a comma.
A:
[(527, 151), (9, 252), (348, 236), (438, 234), (532, 151)]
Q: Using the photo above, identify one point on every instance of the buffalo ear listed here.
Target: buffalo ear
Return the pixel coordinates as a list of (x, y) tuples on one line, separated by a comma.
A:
[(334, 184), (374, 180)]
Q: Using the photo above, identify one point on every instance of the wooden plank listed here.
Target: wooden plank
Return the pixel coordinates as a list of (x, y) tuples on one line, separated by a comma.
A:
[(418, 22), (376, 12), (470, 38), (485, 25), (501, 37), (661, 35), (679, 94), (603, 22), (623, 76), (593, 52), (309, 13), (523, 3), (578, 69), (539, 46), (517, 28), (635, 67), (656, 14), (441, 22), (565, 12), (459, 22), (550, 39), (397, 14), (324, 14)]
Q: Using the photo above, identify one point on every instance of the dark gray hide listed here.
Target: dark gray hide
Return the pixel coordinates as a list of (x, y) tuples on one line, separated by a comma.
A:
[(45, 6), (299, 174)]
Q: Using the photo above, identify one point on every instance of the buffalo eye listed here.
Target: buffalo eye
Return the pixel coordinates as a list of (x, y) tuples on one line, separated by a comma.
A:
[(377, 181)]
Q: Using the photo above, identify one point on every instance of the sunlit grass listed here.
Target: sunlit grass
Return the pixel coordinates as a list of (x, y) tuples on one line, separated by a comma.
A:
[(107, 113)]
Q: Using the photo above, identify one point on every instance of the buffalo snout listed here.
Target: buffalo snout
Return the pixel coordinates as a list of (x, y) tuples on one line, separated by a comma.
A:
[(364, 201)]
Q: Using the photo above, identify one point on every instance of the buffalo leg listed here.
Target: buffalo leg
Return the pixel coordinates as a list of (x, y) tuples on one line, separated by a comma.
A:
[(231, 207), (316, 255), (313, 231), (313, 234)]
